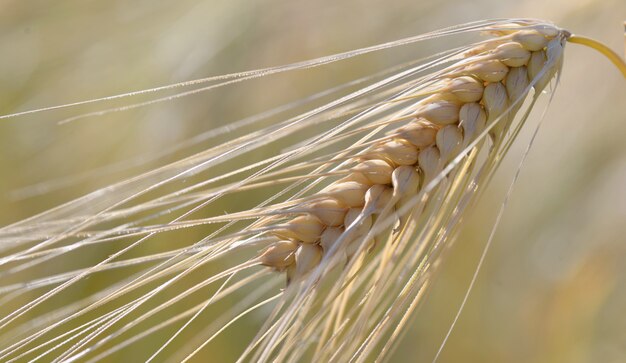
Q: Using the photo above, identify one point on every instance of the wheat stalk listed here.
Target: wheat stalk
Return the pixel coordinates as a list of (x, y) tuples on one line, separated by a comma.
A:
[(356, 217)]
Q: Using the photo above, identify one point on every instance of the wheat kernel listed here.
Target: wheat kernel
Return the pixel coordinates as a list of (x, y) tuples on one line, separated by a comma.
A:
[(351, 193), (495, 100), (516, 83), (376, 171), (307, 256), (329, 210), (554, 54), (420, 133), (363, 227), (440, 111), (530, 39), (449, 140), (329, 237), (306, 228), (466, 89), (377, 197), (429, 162), (399, 152), (487, 70), (512, 54), (405, 180), (535, 65), (357, 178), (279, 254), (473, 120)]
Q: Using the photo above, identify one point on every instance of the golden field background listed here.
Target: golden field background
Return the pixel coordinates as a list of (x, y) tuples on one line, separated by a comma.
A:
[(553, 288)]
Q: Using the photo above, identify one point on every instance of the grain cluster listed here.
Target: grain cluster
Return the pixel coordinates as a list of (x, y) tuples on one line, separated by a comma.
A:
[(487, 86)]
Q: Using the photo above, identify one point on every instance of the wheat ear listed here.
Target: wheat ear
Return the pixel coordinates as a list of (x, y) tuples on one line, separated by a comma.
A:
[(365, 210)]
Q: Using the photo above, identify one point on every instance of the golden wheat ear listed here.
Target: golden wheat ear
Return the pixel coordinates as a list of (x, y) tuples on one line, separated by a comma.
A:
[(332, 233), (402, 199)]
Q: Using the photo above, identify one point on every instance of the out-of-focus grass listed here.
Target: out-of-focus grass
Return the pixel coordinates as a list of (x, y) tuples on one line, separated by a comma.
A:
[(552, 289)]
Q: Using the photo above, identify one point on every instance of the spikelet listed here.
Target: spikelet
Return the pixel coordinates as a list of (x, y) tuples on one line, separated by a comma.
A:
[(344, 246)]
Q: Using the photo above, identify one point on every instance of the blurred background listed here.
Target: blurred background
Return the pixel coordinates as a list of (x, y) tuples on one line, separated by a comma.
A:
[(553, 288)]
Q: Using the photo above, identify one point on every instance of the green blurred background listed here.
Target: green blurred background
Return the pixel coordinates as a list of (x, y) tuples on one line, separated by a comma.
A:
[(553, 288)]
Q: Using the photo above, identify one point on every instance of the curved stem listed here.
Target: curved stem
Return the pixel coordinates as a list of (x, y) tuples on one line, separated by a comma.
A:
[(606, 51)]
